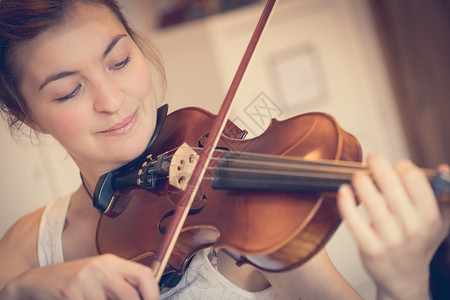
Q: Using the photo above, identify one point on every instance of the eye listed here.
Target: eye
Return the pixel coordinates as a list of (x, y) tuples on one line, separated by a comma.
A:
[(122, 64), (70, 95)]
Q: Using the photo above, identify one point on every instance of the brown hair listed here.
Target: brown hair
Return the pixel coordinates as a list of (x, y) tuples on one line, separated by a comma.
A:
[(23, 20)]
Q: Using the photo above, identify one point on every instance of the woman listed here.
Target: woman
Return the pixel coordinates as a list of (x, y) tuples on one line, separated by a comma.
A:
[(75, 70)]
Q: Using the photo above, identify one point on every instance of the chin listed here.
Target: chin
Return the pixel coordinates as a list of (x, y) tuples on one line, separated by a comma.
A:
[(128, 149), (133, 149)]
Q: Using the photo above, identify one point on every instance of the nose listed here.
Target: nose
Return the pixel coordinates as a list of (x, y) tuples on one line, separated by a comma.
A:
[(108, 97)]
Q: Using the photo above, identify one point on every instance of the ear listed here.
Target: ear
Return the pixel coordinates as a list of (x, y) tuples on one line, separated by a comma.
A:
[(27, 119)]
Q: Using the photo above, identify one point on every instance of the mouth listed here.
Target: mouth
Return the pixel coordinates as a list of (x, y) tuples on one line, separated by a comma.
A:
[(122, 127)]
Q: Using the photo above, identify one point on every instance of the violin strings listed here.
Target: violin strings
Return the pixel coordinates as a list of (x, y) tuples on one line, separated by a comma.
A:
[(293, 166), (311, 169), (264, 158), (290, 162), (293, 173)]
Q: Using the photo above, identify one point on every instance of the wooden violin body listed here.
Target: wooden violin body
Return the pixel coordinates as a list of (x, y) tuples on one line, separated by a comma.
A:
[(274, 230)]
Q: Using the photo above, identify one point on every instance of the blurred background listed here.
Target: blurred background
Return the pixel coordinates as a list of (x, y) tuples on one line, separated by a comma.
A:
[(380, 67)]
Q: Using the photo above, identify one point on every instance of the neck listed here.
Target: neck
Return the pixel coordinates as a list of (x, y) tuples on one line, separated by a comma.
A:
[(88, 182), (84, 184)]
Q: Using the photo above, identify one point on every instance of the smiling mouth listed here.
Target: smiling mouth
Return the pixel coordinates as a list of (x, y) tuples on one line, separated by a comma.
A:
[(123, 127)]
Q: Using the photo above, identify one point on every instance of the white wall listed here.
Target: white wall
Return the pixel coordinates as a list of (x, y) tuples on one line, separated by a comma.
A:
[(33, 173), (336, 56)]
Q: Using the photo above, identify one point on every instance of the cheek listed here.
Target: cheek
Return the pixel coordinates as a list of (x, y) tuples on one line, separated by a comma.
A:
[(66, 125), (141, 84)]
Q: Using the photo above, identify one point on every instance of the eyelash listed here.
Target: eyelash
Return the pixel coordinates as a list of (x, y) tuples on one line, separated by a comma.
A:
[(117, 66), (71, 95), (122, 64)]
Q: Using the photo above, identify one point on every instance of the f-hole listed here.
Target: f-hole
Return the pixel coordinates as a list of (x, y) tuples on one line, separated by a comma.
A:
[(202, 141), (192, 212)]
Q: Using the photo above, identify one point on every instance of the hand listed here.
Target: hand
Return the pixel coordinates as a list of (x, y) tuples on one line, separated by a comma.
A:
[(101, 277), (406, 226)]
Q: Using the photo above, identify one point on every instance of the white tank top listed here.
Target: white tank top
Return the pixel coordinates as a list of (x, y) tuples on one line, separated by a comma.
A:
[(201, 281), (50, 232)]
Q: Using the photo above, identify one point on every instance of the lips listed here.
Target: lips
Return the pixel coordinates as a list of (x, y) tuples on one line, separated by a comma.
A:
[(122, 127)]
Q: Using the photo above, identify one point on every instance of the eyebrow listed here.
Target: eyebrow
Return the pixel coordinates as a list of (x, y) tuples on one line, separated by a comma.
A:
[(113, 43), (57, 76)]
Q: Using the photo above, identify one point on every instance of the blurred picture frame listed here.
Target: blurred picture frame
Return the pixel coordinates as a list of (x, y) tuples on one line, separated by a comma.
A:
[(176, 12), (298, 77)]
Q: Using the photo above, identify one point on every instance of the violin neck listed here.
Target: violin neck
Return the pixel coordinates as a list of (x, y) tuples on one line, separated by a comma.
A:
[(441, 186), (239, 171)]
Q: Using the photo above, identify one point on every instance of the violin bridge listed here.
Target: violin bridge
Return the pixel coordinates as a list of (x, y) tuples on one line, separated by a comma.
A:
[(181, 166)]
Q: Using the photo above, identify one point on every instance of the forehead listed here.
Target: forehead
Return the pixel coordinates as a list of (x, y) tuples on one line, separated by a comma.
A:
[(87, 30)]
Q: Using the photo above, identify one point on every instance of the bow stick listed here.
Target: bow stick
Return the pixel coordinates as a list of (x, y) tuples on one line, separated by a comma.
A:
[(181, 212)]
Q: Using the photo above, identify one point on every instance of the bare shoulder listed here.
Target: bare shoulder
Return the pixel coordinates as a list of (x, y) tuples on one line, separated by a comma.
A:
[(18, 247)]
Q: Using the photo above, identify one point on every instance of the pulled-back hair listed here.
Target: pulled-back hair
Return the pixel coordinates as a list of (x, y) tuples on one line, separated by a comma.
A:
[(24, 20)]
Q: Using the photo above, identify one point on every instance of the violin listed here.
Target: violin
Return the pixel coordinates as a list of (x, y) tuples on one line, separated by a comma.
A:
[(248, 202), (269, 201)]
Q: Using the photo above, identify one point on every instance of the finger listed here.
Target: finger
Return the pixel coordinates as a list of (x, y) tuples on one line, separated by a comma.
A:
[(124, 279), (101, 278), (419, 189), (383, 222), (393, 190), (142, 278), (88, 282), (119, 288), (363, 234)]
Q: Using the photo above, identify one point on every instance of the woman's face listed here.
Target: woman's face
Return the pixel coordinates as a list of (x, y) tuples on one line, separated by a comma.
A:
[(88, 85)]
